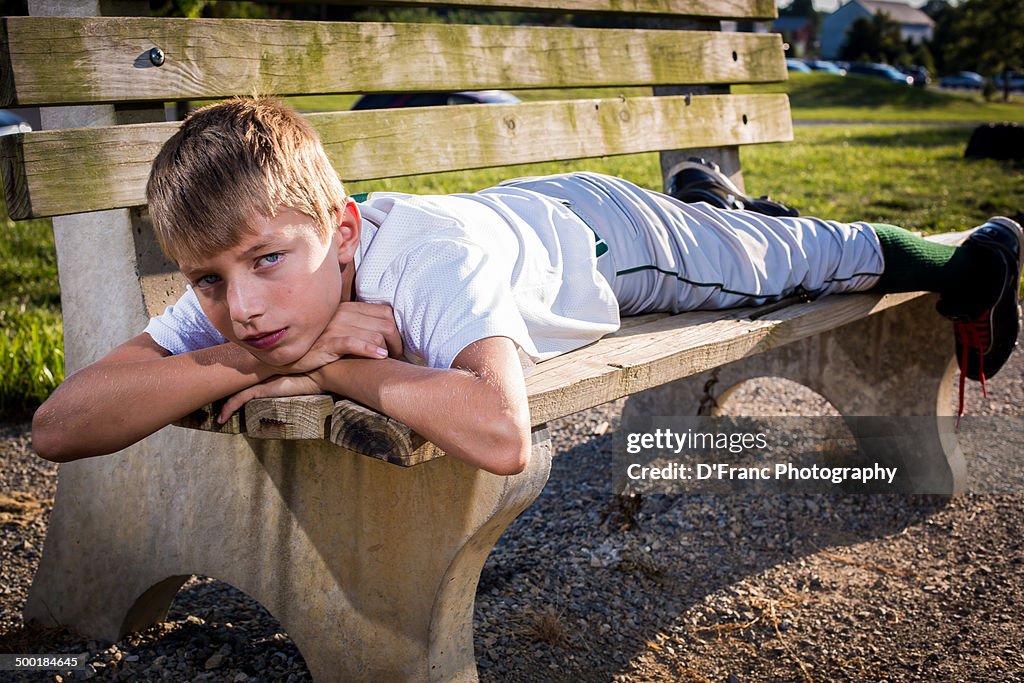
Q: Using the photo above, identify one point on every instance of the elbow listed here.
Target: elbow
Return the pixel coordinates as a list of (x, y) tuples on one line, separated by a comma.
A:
[(510, 447), (512, 462), (48, 439)]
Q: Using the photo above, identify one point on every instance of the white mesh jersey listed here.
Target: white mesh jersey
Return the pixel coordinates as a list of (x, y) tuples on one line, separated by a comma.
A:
[(502, 262), (550, 262)]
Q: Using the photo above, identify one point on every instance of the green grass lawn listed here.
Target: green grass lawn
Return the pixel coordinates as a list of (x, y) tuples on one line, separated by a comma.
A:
[(815, 96), (914, 176), (822, 96), (31, 346)]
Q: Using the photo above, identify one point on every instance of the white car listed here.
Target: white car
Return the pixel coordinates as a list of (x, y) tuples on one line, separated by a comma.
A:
[(11, 123)]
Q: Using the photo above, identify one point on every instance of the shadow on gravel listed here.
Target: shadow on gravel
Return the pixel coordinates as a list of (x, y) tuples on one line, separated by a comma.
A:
[(213, 632), (560, 600)]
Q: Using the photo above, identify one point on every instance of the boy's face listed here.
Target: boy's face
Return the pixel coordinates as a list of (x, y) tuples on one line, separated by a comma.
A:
[(274, 292)]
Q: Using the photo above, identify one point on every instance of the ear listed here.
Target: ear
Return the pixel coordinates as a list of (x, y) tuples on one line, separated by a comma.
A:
[(348, 225)]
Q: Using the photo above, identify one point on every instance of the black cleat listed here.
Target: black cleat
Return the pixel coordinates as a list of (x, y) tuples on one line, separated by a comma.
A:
[(986, 333), (700, 180)]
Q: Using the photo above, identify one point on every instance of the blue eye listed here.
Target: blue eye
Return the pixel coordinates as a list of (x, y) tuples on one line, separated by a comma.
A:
[(207, 281), (271, 259)]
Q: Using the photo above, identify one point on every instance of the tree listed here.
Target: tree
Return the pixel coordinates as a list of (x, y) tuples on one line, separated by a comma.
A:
[(986, 37), (935, 8), (921, 55), (799, 8), (874, 40)]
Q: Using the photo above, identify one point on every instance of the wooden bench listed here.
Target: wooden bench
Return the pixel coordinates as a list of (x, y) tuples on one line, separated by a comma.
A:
[(371, 567)]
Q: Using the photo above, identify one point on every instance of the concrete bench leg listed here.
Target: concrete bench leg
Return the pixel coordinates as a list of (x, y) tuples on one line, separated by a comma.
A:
[(898, 362), (371, 568)]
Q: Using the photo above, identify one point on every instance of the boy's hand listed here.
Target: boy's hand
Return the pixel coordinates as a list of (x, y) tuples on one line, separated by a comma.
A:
[(280, 385), (357, 329)]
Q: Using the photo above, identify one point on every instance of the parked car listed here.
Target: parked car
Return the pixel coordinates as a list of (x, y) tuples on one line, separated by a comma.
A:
[(11, 123), (963, 79), (919, 74), (826, 66), (798, 66), (433, 99), (889, 73), (1015, 77)]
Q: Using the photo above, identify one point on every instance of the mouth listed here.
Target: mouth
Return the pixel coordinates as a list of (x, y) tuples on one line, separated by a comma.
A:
[(265, 340)]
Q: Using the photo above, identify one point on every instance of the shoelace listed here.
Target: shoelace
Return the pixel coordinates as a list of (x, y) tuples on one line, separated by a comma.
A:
[(974, 337)]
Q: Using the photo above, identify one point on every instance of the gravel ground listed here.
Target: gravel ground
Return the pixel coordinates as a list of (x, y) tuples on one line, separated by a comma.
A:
[(586, 586)]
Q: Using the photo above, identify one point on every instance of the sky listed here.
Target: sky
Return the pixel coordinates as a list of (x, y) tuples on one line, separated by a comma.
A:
[(831, 5)]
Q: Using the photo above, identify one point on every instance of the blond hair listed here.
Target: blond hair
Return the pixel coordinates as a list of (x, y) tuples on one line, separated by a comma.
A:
[(230, 162)]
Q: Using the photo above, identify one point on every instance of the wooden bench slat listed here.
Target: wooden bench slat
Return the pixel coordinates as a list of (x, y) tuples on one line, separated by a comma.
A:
[(666, 348), (722, 9), (647, 353), (56, 60), (679, 346), (49, 173)]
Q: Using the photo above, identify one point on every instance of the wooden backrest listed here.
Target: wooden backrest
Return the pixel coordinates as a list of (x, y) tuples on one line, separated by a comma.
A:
[(135, 62), (105, 80)]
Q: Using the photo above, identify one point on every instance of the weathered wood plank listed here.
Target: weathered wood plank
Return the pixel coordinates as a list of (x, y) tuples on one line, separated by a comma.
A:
[(722, 9), (365, 431), (638, 357), (479, 137), (646, 351), (678, 346), (205, 419), (52, 60), (301, 417), (60, 172), (644, 356), (15, 178)]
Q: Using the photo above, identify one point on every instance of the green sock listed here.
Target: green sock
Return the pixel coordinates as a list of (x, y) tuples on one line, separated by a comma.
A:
[(963, 276), (913, 264)]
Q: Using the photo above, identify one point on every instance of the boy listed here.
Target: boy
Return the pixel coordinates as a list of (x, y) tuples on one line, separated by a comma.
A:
[(297, 289)]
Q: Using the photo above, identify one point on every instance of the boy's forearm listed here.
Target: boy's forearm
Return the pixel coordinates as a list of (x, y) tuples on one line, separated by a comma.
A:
[(109, 405), (462, 413)]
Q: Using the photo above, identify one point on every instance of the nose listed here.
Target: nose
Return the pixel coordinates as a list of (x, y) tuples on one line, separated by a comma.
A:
[(245, 302)]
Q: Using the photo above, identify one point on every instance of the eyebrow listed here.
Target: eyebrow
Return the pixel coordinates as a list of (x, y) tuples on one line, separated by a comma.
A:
[(257, 247), (190, 273)]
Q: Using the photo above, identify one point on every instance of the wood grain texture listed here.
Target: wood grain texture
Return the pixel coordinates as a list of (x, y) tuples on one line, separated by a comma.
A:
[(15, 177), (70, 171), (724, 9), (205, 419), (647, 350), (673, 347), (363, 430), (661, 349), (57, 60), (300, 417)]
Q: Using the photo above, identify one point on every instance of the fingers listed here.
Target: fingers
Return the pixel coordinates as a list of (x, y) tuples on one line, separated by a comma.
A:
[(392, 338), (377, 320), (281, 385), (354, 346), (234, 403)]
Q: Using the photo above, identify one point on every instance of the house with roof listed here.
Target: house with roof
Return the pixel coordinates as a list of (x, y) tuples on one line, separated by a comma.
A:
[(915, 25)]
